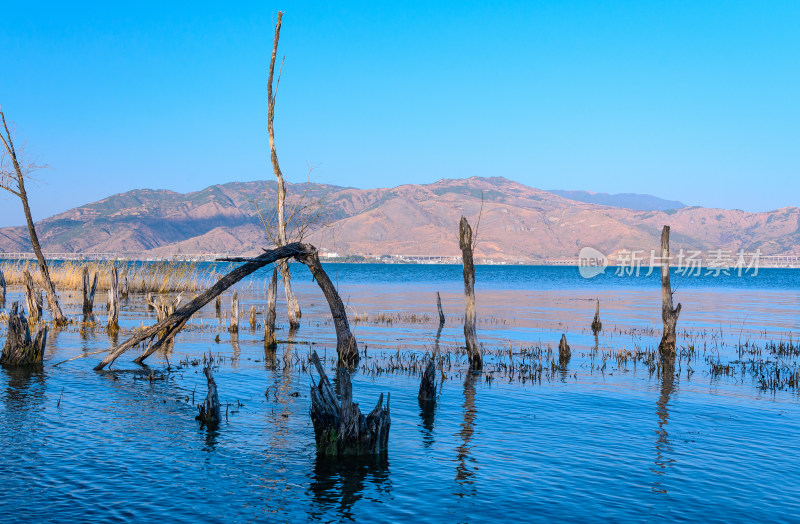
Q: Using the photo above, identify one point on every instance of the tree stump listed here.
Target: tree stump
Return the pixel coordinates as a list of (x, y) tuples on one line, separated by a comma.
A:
[(270, 341), (33, 299), (113, 301), (218, 307), (19, 349), (564, 353), (234, 327), (470, 334), (427, 386), (2, 290), (596, 324), (209, 411), (669, 314), (339, 427), (439, 307), (89, 289), (252, 317)]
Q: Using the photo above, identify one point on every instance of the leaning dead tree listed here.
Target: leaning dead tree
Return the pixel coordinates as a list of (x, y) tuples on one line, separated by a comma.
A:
[(465, 241), (303, 253), (13, 172), (339, 427), (20, 349), (669, 315)]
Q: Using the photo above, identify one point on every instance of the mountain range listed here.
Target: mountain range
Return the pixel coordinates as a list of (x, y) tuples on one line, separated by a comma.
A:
[(515, 223)]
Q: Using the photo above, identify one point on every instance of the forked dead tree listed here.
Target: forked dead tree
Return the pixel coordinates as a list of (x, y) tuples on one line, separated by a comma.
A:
[(305, 253), (13, 172), (339, 427), (465, 241), (20, 349), (669, 315)]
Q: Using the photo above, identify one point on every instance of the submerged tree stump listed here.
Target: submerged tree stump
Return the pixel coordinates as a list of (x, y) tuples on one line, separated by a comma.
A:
[(339, 427), (470, 334), (89, 289), (33, 299), (210, 410), (669, 314), (439, 307), (234, 326), (113, 301), (427, 385), (270, 341), (19, 349), (596, 324), (2, 290), (564, 353)]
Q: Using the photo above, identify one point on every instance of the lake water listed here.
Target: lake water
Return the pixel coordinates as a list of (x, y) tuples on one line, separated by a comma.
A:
[(606, 439)]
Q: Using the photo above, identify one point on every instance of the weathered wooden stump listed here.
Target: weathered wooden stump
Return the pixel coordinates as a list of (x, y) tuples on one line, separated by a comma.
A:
[(470, 333), (234, 326), (89, 288), (427, 386), (596, 324), (209, 411), (339, 427), (33, 299), (270, 340), (113, 301), (218, 307), (2, 290), (253, 317), (19, 349), (669, 314), (564, 353)]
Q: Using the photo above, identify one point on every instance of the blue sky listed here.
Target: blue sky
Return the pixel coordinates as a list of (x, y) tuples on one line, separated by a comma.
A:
[(693, 101)]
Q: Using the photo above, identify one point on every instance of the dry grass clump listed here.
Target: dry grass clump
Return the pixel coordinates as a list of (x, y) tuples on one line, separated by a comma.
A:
[(147, 277)]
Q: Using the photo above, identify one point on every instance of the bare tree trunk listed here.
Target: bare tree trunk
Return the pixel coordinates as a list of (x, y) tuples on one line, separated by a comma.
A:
[(33, 299), (270, 341), (19, 349), (234, 327), (218, 307), (291, 302), (669, 314), (470, 334), (113, 301), (439, 307), (2, 290), (596, 324), (210, 413), (88, 293), (253, 318), (340, 428)]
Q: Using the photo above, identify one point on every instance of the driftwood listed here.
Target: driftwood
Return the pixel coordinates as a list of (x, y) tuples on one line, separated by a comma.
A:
[(2, 290), (234, 327), (305, 253), (470, 334), (564, 353), (33, 299), (19, 349), (89, 289), (209, 411), (439, 307), (596, 324), (270, 340), (669, 314), (113, 301), (339, 427)]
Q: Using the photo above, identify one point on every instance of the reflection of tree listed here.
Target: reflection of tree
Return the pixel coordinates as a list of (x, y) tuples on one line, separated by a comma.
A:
[(465, 472), (340, 482), (237, 351), (23, 398), (663, 447)]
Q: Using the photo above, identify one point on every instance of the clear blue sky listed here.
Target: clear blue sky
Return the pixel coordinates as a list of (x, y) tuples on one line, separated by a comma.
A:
[(694, 101)]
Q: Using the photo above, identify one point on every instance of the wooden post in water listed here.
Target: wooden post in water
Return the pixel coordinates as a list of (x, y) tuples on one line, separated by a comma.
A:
[(270, 341), (88, 293), (33, 298), (234, 327), (19, 350), (252, 317), (2, 290), (596, 324), (113, 301), (209, 411), (470, 334), (669, 314)]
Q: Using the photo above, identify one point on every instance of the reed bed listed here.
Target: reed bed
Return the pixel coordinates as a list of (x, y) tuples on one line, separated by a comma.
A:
[(147, 277)]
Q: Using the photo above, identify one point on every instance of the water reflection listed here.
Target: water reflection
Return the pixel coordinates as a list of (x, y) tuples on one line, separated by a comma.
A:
[(465, 470), (25, 388), (237, 350), (663, 446), (338, 483)]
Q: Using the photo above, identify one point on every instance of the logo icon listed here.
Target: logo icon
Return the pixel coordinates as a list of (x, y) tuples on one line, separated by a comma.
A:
[(591, 262)]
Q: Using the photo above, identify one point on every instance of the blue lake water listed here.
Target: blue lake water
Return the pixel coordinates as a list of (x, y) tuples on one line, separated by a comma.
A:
[(604, 440)]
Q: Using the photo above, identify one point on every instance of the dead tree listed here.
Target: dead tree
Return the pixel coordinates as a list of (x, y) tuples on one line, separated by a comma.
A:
[(669, 314), (596, 324), (209, 411), (13, 172), (465, 241), (113, 301), (270, 341), (439, 307), (218, 307), (427, 385), (253, 318), (564, 353), (33, 299), (88, 293), (305, 253), (19, 349), (2, 290), (339, 427), (234, 327)]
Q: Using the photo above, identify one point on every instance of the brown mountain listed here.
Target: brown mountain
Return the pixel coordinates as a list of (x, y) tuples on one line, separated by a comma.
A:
[(517, 224)]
